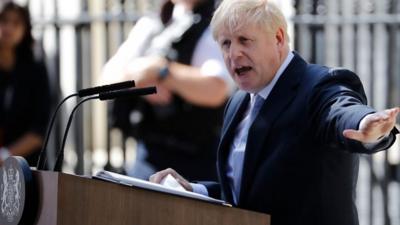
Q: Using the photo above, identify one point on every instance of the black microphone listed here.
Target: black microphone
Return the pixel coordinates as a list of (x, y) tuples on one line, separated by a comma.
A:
[(106, 88), (127, 93), (81, 93), (102, 96)]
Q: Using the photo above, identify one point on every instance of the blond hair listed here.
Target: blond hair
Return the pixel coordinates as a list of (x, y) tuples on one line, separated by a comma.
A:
[(233, 14)]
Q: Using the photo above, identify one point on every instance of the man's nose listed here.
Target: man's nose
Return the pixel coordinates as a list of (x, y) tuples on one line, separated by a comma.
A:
[(235, 52)]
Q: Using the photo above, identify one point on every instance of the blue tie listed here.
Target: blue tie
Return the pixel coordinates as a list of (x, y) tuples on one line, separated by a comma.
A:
[(258, 102)]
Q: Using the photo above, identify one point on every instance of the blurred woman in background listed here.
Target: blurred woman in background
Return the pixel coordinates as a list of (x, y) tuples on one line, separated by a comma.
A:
[(24, 89), (179, 126)]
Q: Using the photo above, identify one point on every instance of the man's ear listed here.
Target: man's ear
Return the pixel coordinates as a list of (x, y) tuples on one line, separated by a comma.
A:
[(280, 37)]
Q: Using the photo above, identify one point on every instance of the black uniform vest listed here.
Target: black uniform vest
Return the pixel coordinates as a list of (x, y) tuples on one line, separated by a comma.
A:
[(181, 135)]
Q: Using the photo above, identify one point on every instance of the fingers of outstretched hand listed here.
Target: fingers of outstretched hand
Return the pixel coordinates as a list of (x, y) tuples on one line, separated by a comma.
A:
[(377, 117), (388, 114), (374, 126), (387, 119), (394, 112), (371, 132)]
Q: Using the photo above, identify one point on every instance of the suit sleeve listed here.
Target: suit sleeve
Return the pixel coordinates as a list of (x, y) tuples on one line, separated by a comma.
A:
[(338, 102), (213, 188)]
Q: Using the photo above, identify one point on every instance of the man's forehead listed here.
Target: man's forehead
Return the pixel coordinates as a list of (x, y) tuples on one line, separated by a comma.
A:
[(233, 30)]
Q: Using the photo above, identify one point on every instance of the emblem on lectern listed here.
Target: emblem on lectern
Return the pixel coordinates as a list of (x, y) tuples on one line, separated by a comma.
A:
[(18, 195), (10, 193)]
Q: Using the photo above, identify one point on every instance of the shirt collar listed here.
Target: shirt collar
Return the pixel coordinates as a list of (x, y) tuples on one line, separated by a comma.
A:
[(267, 89)]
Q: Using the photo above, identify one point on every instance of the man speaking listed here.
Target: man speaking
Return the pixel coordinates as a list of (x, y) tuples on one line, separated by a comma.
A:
[(291, 132)]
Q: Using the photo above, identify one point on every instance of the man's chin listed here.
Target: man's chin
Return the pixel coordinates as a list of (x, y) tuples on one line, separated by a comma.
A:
[(247, 88)]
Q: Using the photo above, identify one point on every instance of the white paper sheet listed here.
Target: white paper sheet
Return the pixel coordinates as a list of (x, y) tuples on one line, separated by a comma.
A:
[(134, 182)]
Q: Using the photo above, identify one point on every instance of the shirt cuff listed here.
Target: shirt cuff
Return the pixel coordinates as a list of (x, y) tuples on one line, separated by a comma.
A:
[(199, 189)]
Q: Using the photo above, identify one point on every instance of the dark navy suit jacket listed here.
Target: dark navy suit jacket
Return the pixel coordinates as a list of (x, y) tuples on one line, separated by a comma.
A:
[(298, 167)]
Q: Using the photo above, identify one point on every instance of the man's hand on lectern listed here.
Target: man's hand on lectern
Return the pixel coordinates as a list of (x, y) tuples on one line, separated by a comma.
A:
[(160, 175)]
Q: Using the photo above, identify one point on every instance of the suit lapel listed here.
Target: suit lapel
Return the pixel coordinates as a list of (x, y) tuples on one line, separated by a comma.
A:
[(280, 97), (233, 116)]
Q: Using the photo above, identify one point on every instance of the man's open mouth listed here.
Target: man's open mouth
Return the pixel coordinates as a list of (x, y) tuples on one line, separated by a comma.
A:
[(241, 70)]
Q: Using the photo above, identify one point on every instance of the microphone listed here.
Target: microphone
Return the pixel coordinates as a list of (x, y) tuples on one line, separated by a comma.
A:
[(102, 96), (127, 93), (106, 88), (81, 93)]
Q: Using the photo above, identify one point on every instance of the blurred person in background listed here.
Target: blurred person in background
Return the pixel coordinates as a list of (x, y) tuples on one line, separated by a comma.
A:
[(24, 89), (179, 126)]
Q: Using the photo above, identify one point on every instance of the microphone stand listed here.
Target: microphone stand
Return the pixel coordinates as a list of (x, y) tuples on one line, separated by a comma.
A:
[(109, 95), (42, 158), (81, 93), (60, 155)]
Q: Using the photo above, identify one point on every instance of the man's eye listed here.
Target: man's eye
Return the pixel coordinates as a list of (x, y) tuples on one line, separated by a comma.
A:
[(243, 40), (225, 44)]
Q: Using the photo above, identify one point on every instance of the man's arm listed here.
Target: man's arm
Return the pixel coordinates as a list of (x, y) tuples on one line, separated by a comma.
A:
[(213, 188), (341, 116)]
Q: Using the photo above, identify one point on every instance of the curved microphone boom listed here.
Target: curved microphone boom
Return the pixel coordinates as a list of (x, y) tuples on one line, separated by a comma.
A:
[(106, 88), (81, 93), (127, 93), (102, 96), (42, 159), (60, 155)]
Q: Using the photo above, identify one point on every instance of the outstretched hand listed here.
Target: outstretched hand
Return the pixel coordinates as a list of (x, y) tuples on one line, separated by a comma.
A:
[(374, 126)]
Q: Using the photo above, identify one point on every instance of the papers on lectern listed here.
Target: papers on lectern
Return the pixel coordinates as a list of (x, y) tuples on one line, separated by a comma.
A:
[(169, 186)]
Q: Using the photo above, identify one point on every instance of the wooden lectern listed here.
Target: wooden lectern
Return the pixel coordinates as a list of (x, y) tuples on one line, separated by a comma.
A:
[(73, 200)]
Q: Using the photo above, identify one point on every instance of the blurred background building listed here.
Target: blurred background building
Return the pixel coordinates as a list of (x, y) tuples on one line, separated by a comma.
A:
[(78, 36)]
